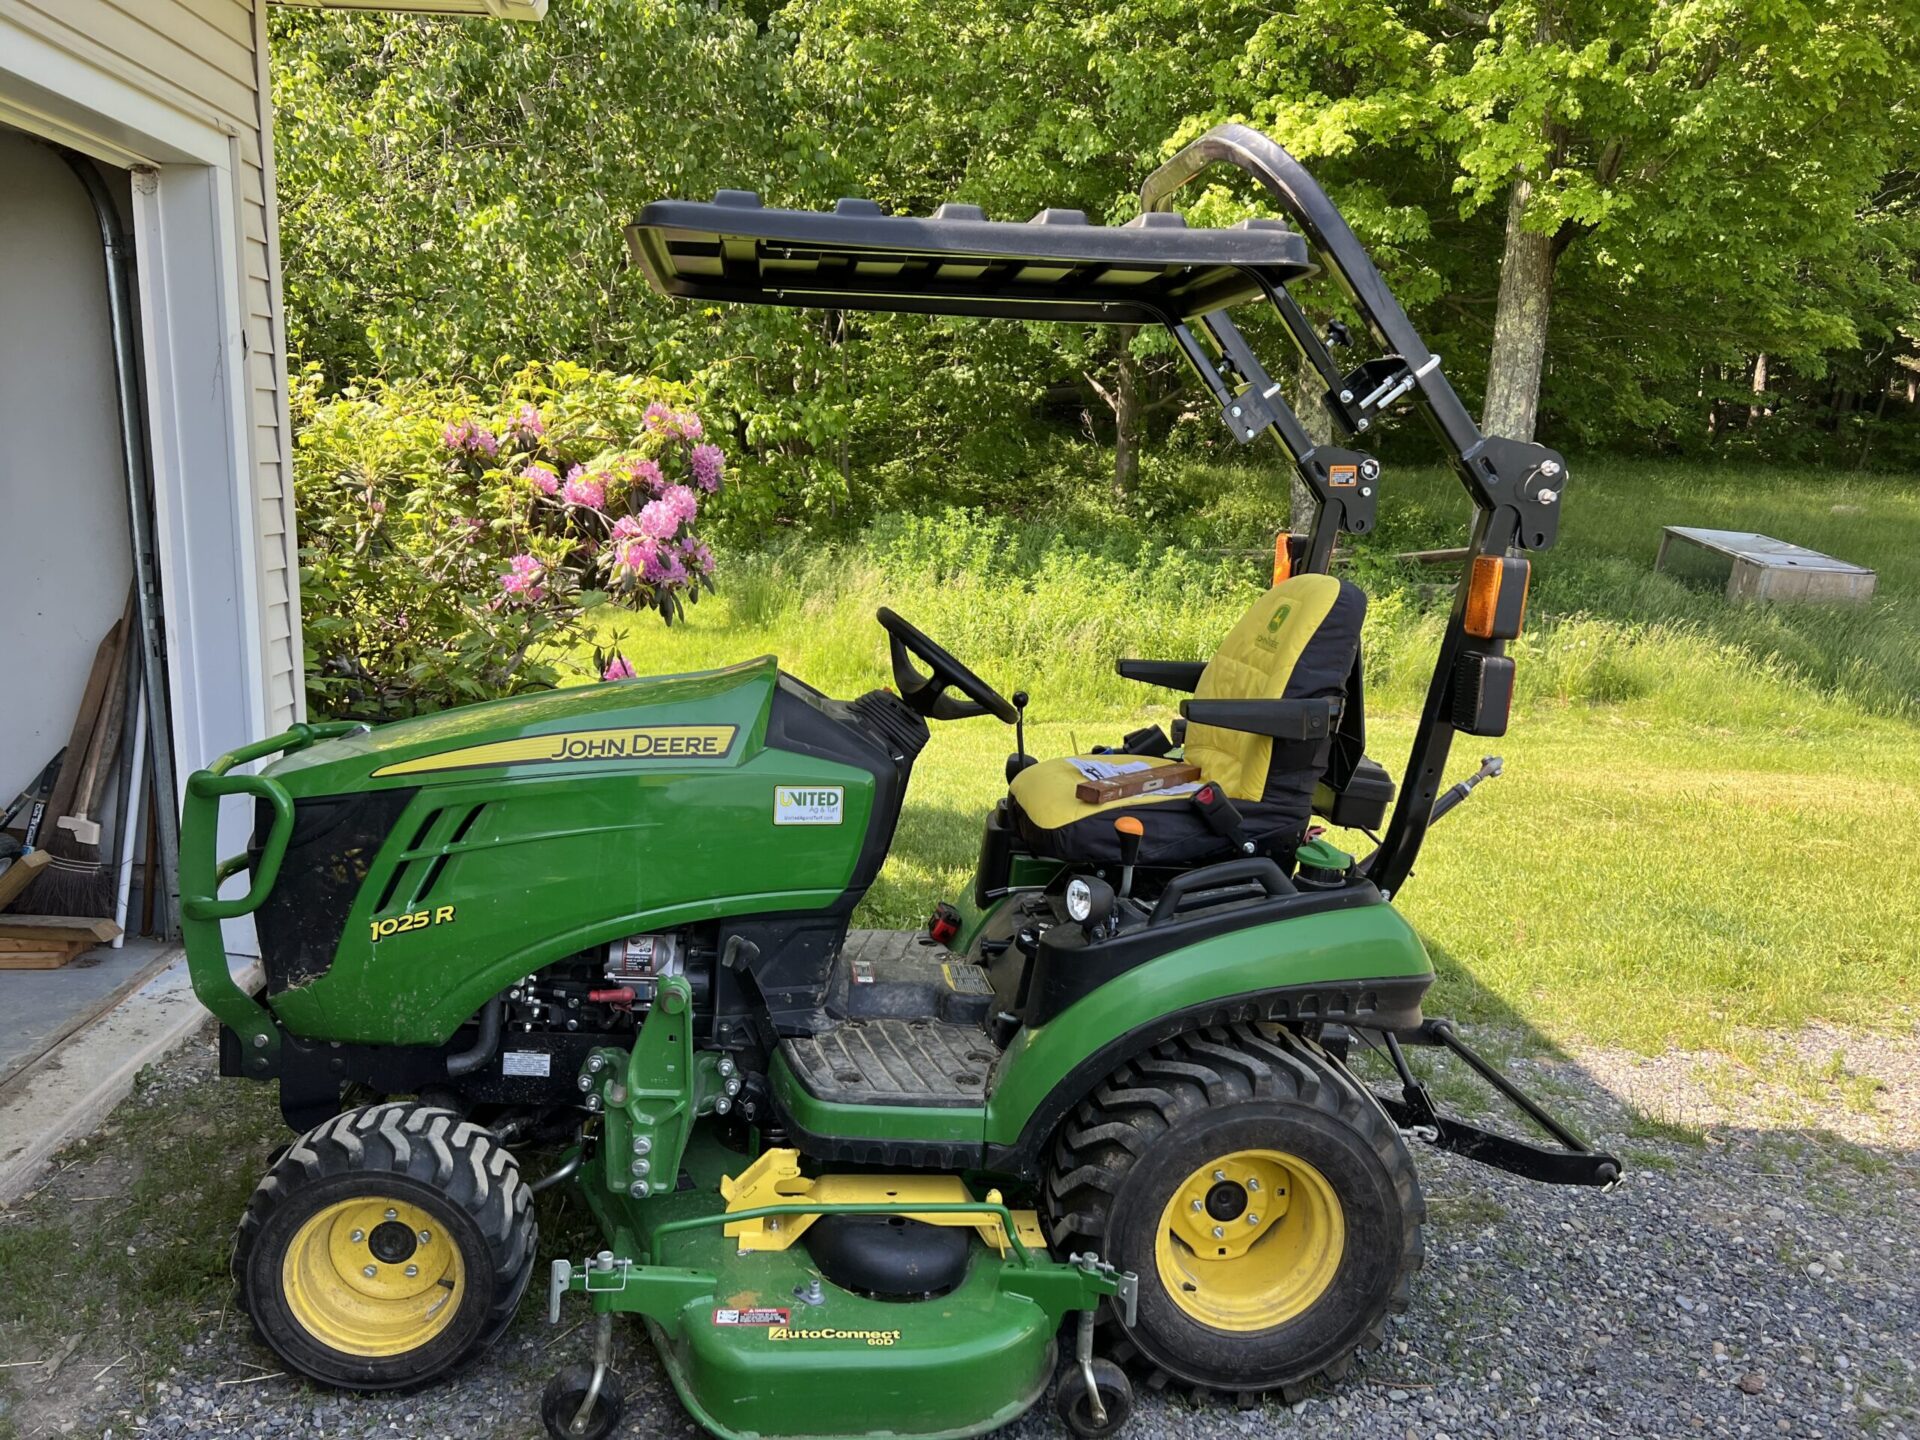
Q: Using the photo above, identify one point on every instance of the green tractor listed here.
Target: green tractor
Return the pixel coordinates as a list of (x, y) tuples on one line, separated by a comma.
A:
[(876, 1183)]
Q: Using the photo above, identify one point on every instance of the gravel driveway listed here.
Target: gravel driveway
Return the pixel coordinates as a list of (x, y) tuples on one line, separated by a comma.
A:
[(1758, 1275)]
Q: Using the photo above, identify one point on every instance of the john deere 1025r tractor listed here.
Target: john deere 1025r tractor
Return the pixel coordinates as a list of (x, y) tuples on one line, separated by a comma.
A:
[(878, 1183)]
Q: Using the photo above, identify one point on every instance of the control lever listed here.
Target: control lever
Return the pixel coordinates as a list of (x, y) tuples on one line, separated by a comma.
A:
[(1131, 833), (1019, 760), (1490, 766)]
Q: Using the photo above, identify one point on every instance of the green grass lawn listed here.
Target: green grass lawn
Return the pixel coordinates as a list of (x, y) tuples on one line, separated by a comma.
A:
[(1709, 821)]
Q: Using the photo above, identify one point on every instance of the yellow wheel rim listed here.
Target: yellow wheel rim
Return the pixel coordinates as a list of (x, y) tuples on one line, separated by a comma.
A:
[(373, 1277), (1250, 1240)]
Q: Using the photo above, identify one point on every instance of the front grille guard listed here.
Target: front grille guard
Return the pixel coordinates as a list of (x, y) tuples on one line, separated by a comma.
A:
[(202, 874)]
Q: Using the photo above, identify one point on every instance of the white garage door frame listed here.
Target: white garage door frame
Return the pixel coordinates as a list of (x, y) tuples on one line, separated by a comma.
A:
[(187, 244)]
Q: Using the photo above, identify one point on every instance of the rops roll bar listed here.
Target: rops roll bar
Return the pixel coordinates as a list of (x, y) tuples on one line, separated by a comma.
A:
[(1515, 485)]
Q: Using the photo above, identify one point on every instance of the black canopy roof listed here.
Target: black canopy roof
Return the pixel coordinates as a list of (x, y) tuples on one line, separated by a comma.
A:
[(1056, 266)]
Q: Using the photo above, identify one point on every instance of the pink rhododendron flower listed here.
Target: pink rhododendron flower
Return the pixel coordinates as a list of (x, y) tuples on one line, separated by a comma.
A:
[(526, 425), (470, 438), (523, 577), (658, 520), (587, 490), (681, 503), (646, 474), (619, 669), (706, 462), (698, 556), (542, 479), (630, 544), (681, 424)]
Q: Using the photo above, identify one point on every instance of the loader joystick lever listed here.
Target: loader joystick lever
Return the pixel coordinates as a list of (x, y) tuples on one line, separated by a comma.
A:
[(928, 693)]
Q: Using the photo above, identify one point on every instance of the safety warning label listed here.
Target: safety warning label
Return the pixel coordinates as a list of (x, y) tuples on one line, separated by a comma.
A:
[(763, 1316)]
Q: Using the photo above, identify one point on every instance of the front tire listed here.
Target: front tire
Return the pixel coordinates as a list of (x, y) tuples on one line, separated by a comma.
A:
[(386, 1248), (1269, 1209)]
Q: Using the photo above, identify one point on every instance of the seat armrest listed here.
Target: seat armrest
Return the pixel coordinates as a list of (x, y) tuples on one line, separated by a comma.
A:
[(1168, 674), (1279, 719)]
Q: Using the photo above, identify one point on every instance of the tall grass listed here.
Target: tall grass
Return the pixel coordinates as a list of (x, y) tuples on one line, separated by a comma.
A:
[(1049, 605)]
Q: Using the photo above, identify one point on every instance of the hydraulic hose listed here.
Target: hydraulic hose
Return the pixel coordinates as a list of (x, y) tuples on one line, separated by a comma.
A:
[(465, 1062)]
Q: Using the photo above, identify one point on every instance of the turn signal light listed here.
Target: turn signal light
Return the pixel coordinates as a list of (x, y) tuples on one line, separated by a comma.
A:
[(1497, 596)]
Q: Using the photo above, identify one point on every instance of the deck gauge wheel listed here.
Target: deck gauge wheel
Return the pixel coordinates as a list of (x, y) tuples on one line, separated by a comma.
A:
[(1074, 1405), (567, 1415)]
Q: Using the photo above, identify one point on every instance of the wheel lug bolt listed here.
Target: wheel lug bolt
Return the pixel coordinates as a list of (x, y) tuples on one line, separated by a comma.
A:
[(358, 1236), (1220, 1175), (412, 1270), (1253, 1183), (426, 1237), (1218, 1233), (370, 1271), (1196, 1210), (1252, 1219), (393, 1214)]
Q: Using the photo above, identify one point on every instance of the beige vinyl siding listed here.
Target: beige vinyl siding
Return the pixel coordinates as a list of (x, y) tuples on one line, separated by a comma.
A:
[(207, 57)]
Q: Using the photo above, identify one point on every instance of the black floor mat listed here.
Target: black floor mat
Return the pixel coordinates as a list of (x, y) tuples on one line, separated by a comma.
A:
[(902, 975), (895, 1062)]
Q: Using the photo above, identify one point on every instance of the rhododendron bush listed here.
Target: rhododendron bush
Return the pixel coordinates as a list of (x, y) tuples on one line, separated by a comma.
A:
[(453, 542)]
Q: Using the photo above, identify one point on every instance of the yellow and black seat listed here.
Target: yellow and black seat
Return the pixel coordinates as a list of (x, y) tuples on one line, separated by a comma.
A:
[(1262, 725)]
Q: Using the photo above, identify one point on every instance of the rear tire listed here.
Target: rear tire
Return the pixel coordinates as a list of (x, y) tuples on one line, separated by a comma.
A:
[(1269, 1209), (386, 1248)]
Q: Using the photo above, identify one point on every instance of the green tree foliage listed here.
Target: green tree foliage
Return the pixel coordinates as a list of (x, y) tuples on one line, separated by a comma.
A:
[(1715, 197)]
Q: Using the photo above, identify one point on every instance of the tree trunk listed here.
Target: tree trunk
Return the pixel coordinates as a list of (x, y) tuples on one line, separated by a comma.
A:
[(1759, 405), (1519, 323), (1126, 420), (1307, 388)]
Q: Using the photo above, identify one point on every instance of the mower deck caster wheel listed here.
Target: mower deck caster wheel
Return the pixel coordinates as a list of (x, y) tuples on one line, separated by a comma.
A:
[(560, 1404), (1075, 1407)]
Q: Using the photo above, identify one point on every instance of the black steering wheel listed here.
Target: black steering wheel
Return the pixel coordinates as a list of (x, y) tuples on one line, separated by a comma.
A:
[(928, 693)]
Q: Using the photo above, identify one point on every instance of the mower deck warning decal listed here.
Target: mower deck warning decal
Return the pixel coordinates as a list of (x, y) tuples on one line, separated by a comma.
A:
[(1343, 477), (809, 804), (765, 1316), (646, 742)]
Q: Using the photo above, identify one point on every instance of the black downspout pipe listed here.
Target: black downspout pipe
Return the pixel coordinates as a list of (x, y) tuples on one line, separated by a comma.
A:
[(117, 250)]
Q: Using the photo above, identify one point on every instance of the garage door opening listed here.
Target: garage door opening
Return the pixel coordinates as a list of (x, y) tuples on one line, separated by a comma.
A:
[(82, 744)]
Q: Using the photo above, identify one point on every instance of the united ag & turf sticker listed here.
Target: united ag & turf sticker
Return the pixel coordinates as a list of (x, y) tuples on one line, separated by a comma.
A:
[(809, 804)]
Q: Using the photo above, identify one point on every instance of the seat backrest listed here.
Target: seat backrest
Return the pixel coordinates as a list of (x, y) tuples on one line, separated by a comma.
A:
[(1298, 642)]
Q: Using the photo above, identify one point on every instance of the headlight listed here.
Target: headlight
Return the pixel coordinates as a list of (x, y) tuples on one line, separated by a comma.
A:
[(1079, 901), (1089, 902)]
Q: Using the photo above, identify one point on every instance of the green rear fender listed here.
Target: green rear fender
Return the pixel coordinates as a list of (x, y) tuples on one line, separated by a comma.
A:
[(1049, 1067)]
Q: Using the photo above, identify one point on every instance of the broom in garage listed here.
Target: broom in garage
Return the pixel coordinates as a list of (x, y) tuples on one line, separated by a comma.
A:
[(76, 879)]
